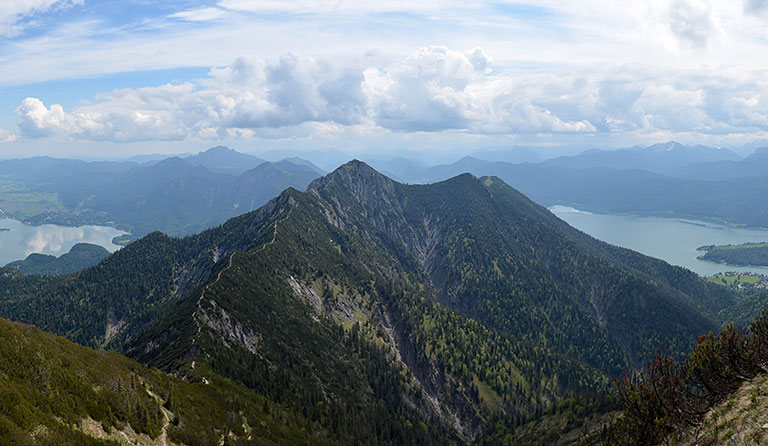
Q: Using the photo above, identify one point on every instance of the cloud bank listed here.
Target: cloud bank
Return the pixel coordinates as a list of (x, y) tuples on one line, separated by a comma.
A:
[(435, 89)]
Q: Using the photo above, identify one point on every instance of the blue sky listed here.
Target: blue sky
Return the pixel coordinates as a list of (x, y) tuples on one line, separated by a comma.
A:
[(113, 78)]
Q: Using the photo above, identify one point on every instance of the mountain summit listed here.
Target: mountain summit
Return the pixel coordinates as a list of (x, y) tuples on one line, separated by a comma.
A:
[(225, 160)]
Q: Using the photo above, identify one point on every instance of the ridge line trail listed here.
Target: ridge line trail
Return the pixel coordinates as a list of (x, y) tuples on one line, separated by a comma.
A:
[(229, 265), (231, 256), (261, 248)]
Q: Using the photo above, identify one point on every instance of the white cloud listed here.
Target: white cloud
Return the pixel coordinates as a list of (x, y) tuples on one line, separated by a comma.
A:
[(692, 21), (6, 136), (147, 114), (336, 6), (12, 12), (433, 90), (200, 15)]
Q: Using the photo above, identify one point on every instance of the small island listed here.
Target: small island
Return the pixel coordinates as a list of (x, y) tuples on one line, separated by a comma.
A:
[(5, 229), (747, 254), (123, 240)]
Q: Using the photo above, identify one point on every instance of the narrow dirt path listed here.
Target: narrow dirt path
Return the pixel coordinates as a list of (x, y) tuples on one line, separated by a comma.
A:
[(163, 438)]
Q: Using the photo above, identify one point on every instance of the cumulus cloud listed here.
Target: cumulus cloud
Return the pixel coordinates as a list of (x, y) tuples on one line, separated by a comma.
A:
[(14, 12), (427, 91), (435, 89)]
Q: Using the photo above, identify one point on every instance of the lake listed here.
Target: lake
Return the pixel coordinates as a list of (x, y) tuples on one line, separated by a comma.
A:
[(671, 239), (18, 240)]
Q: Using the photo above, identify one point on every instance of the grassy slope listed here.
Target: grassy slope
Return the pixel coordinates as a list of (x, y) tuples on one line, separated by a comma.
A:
[(741, 420), (55, 392)]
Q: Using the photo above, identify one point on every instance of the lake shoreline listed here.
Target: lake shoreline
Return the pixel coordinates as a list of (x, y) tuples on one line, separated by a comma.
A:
[(660, 214), (674, 239), (19, 240)]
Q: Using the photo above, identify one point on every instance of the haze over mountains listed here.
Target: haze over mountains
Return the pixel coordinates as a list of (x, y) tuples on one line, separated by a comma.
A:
[(175, 195), (180, 196), (665, 178)]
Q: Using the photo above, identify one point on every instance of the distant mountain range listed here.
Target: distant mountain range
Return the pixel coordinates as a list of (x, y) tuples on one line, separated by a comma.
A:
[(183, 195), (374, 312), (658, 158), (174, 195), (629, 180)]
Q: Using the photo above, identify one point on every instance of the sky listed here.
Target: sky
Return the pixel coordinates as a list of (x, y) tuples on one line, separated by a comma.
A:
[(113, 78)]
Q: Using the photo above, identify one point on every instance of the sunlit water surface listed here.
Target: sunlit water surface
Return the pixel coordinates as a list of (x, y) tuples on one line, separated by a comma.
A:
[(18, 240), (672, 239)]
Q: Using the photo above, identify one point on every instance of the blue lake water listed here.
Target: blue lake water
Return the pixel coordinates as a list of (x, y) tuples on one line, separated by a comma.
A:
[(671, 239), (18, 240)]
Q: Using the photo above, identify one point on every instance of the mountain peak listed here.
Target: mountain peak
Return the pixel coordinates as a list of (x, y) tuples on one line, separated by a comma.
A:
[(356, 179), (357, 166), (354, 171), (218, 149), (668, 146), (225, 160)]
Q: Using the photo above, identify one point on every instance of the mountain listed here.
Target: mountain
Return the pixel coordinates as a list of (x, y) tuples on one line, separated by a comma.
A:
[(225, 160), (739, 201), (723, 170), (79, 257), (514, 155), (759, 153), (714, 396), (179, 197), (175, 195), (658, 158), (744, 409), (299, 164), (152, 158), (257, 186), (448, 312), (399, 168), (755, 165), (45, 190)]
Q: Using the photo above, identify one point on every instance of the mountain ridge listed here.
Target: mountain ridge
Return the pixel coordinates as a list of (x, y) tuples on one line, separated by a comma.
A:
[(483, 307)]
